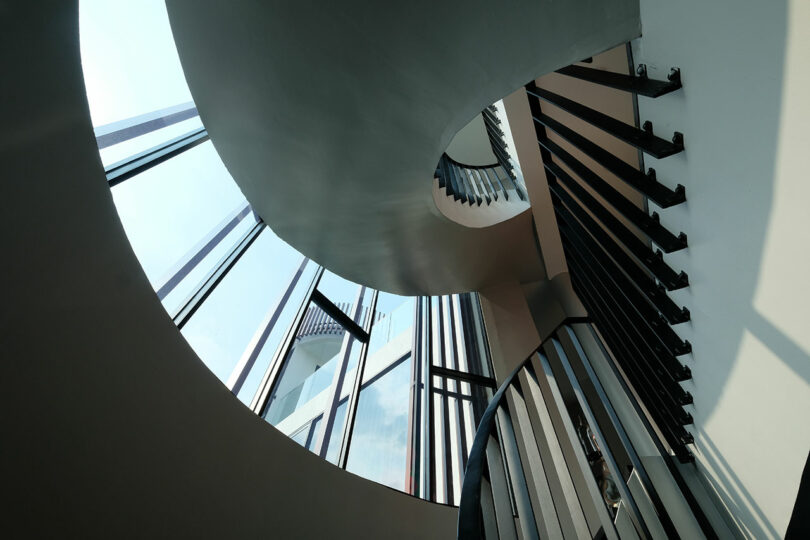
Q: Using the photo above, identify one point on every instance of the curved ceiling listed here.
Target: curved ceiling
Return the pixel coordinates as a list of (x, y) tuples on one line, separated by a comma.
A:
[(331, 117)]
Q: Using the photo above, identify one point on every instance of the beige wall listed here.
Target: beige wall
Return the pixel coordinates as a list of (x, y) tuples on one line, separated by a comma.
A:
[(510, 330), (517, 316)]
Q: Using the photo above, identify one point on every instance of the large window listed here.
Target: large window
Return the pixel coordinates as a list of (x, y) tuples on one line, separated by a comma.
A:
[(131, 68), (222, 327), (318, 373), (171, 207), (385, 386), (379, 445)]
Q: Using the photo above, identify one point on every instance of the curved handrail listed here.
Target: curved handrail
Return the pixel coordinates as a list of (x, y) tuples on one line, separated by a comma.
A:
[(469, 508), (558, 357)]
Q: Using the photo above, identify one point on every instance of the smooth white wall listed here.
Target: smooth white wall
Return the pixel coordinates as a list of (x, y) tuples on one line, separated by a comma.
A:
[(744, 112)]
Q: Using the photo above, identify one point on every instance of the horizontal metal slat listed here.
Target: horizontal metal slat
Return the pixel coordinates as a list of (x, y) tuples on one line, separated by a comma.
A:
[(653, 261), (643, 183), (641, 139), (627, 83), (647, 334), (635, 278), (645, 305), (651, 227), (663, 396), (668, 338), (675, 435)]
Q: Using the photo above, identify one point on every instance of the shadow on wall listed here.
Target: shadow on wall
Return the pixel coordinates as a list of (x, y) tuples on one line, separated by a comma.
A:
[(733, 63)]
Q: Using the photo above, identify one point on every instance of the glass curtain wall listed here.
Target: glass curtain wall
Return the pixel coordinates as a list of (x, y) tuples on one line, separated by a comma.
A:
[(385, 386), (411, 396), (378, 446), (458, 385)]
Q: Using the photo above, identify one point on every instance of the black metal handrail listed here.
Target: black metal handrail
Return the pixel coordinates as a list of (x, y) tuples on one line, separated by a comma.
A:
[(536, 389), (469, 509), (472, 521)]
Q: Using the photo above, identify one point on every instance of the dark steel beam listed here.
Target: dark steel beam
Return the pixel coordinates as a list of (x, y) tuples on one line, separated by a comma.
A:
[(462, 376), (341, 318)]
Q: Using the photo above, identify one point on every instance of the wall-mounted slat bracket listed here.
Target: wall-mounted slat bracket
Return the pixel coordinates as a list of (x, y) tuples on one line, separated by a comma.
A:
[(627, 83)]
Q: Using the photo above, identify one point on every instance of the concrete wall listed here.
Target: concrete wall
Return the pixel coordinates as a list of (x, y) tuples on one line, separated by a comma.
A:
[(112, 427), (744, 112), (471, 144)]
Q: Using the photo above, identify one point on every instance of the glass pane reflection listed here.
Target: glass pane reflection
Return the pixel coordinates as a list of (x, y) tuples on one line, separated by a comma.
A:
[(391, 333), (380, 437), (333, 450), (302, 394), (284, 321), (301, 391), (169, 207), (224, 324)]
